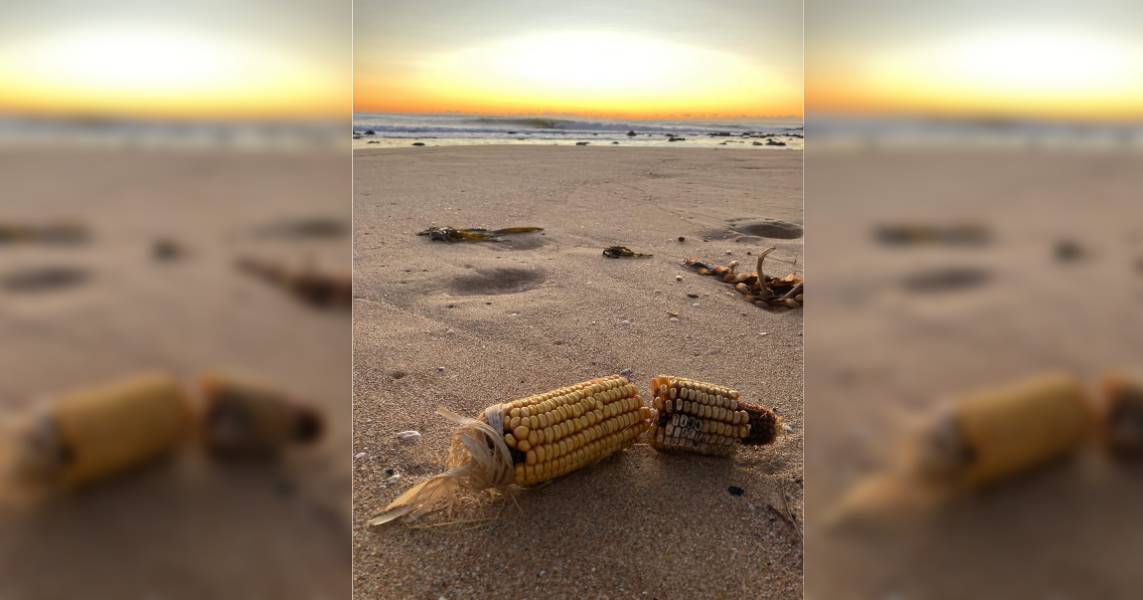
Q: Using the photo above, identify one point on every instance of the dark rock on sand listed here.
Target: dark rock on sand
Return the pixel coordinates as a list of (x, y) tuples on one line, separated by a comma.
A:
[(166, 249), (1068, 251)]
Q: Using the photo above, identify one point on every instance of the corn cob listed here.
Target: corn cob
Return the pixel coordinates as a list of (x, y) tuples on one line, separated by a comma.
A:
[(557, 432), (1122, 418), (980, 441), (242, 417), (531, 440), (992, 435), (707, 419), (89, 435)]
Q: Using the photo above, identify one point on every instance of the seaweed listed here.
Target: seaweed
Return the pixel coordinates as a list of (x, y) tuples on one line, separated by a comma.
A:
[(623, 252), (452, 234), (758, 288)]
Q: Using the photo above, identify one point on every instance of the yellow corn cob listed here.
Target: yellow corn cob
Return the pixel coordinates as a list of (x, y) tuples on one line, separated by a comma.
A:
[(707, 419), (554, 433), (530, 441), (992, 435), (91, 434)]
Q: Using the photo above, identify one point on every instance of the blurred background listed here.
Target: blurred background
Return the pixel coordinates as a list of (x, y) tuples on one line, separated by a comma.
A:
[(972, 207), (176, 201)]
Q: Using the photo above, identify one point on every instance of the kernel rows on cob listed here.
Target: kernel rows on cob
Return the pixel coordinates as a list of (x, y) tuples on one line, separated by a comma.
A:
[(557, 432), (705, 418)]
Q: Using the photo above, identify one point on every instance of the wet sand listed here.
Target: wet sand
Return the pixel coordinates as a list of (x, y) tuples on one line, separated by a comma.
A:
[(184, 528), (881, 351), (467, 325)]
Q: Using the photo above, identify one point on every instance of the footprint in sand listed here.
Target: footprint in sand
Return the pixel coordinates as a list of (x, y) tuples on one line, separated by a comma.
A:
[(945, 279), (497, 281), (305, 228), (42, 279), (767, 228), (755, 230)]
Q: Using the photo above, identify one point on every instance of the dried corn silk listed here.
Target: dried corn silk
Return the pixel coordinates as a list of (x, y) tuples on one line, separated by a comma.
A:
[(704, 418), (530, 441)]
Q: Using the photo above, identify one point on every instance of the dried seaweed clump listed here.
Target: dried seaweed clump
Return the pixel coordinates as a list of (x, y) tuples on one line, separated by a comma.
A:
[(623, 252), (758, 288), (452, 234)]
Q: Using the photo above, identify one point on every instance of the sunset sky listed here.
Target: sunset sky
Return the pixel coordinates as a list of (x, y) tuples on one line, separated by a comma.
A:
[(622, 58), (1041, 59), (201, 59)]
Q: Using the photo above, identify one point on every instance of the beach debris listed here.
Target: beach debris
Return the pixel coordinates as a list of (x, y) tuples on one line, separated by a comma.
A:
[(623, 252), (314, 287), (757, 288), (626, 372), (676, 139), (915, 234), (1122, 415), (1068, 251), (62, 233), (735, 490), (631, 133), (92, 434), (582, 143), (409, 437), (981, 441), (243, 418), (704, 418), (682, 239), (418, 143), (166, 249), (678, 277), (452, 234), (528, 442), (774, 142)]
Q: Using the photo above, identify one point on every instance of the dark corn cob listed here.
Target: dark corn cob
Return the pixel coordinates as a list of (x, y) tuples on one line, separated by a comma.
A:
[(707, 419)]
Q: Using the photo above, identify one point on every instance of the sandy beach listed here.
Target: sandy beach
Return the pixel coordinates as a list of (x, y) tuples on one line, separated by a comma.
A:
[(881, 352), (467, 325), (184, 528)]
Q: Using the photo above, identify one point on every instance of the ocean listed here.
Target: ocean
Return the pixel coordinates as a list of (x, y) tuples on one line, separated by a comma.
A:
[(372, 130)]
